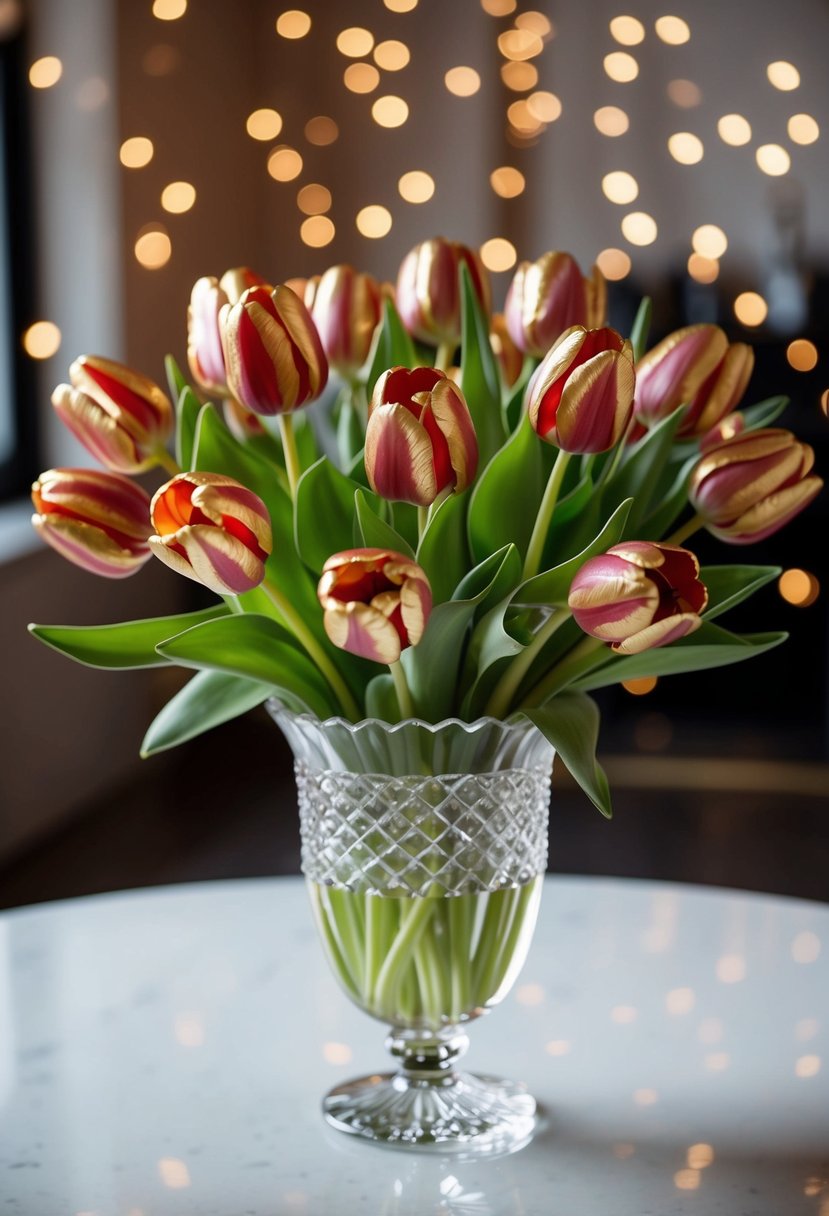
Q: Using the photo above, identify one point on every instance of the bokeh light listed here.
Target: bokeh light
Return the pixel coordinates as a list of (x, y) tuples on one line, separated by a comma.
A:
[(153, 247), (178, 197), (685, 148), (390, 111), (416, 186), (614, 264), (321, 130), (462, 81), (733, 129), (684, 93), (355, 42), (136, 152), (621, 67), (498, 254), (802, 355), (783, 75), (519, 76), (802, 129), (314, 199), (263, 124), (522, 119), (536, 23), (92, 94), (672, 30), (709, 241), (400, 6), (700, 1156), (169, 10), (750, 308), (391, 55), (800, 588), (627, 31), (507, 182), (544, 106), (620, 187), (317, 231), (611, 121), (773, 159), (361, 77), (42, 340), (703, 269), (639, 228), (499, 8), (284, 163), (640, 687), (45, 72), (293, 23), (161, 60), (520, 44), (374, 221)]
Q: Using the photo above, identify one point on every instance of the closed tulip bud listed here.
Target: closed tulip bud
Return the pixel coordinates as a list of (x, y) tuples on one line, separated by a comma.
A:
[(731, 425), (346, 310), (234, 283), (273, 355), (750, 486), (549, 296), (428, 289), (638, 596), (205, 356), (507, 353), (721, 392), (675, 370), (420, 439), (119, 416), (581, 395), (306, 289), (211, 529), (376, 602), (100, 521)]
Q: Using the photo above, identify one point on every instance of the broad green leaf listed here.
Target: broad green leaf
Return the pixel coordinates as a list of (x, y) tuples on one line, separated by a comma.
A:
[(208, 700), (571, 723), (480, 378), (575, 520), (491, 579), (392, 347), (372, 532), (125, 645), (325, 513), (187, 415), (641, 328), (256, 647), (175, 378), (404, 518), (670, 502), (710, 646), (491, 648), (351, 436), (515, 396), (552, 586), (506, 499), (381, 699), (764, 413), (639, 475), (730, 585), (443, 551)]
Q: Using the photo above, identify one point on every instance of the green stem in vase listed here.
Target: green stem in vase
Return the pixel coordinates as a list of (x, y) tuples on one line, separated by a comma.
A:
[(460, 941), (412, 924), (401, 688)]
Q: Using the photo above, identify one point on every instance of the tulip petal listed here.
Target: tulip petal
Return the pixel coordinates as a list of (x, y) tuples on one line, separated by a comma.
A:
[(362, 630), (90, 547), (99, 432), (596, 404), (398, 457), (660, 633), (772, 513)]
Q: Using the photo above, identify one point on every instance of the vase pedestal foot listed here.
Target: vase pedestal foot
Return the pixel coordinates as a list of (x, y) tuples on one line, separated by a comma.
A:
[(460, 1111)]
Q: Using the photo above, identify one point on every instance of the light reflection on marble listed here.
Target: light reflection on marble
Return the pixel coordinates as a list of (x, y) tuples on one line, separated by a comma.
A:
[(165, 1053)]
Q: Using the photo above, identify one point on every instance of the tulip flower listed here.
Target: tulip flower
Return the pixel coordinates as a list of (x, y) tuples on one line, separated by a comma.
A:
[(549, 296), (272, 350), (205, 356), (581, 395), (100, 521), (720, 393), (750, 486), (638, 596), (211, 529), (376, 602), (506, 352), (727, 428), (119, 416), (420, 440), (428, 290), (346, 310), (676, 369), (234, 283)]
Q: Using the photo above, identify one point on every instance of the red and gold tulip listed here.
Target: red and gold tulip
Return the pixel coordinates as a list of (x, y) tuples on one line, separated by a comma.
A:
[(205, 356), (581, 395), (428, 289), (549, 296), (346, 309), (750, 486), (638, 596), (100, 521), (273, 355), (119, 416), (211, 529), (675, 371), (510, 358), (239, 279), (420, 439), (721, 392), (376, 602)]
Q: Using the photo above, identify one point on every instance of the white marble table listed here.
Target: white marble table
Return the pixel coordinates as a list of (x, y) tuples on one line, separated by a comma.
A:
[(164, 1052)]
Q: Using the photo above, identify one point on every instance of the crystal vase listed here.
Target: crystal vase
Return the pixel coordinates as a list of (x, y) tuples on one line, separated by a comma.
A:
[(424, 849)]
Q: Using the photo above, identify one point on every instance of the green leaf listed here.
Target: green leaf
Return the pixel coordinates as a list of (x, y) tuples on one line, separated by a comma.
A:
[(553, 586), (187, 415), (639, 475), (373, 532), (208, 700), (175, 379), (256, 647), (443, 552), (575, 520), (764, 413), (710, 646), (506, 499), (126, 645), (641, 328), (491, 579), (671, 502), (381, 699), (480, 378), (324, 514), (351, 436), (571, 723), (404, 518), (491, 648), (730, 585), (392, 347), (515, 396)]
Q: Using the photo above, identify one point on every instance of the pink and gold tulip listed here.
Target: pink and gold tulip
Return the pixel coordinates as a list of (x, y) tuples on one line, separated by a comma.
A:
[(213, 530), (100, 521), (675, 371), (549, 296), (119, 416), (420, 439), (428, 289), (205, 356), (638, 596), (750, 486), (721, 392), (510, 358), (346, 309), (236, 281), (376, 602), (581, 395), (273, 355)]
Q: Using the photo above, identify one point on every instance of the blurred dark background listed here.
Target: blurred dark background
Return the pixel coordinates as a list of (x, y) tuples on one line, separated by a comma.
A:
[(720, 777)]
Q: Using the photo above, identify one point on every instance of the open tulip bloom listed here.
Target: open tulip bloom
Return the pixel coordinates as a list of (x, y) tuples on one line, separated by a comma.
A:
[(495, 541)]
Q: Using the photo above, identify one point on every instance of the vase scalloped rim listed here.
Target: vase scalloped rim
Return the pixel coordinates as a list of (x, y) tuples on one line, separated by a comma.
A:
[(478, 724)]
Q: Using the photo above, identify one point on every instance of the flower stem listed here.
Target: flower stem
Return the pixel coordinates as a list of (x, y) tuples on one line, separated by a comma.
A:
[(303, 634), (613, 462), (401, 688), (687, 529), (582, 658), (167, 463), (535, 550), (292, 465), (422, 522), (505, 689), (443, 355)]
